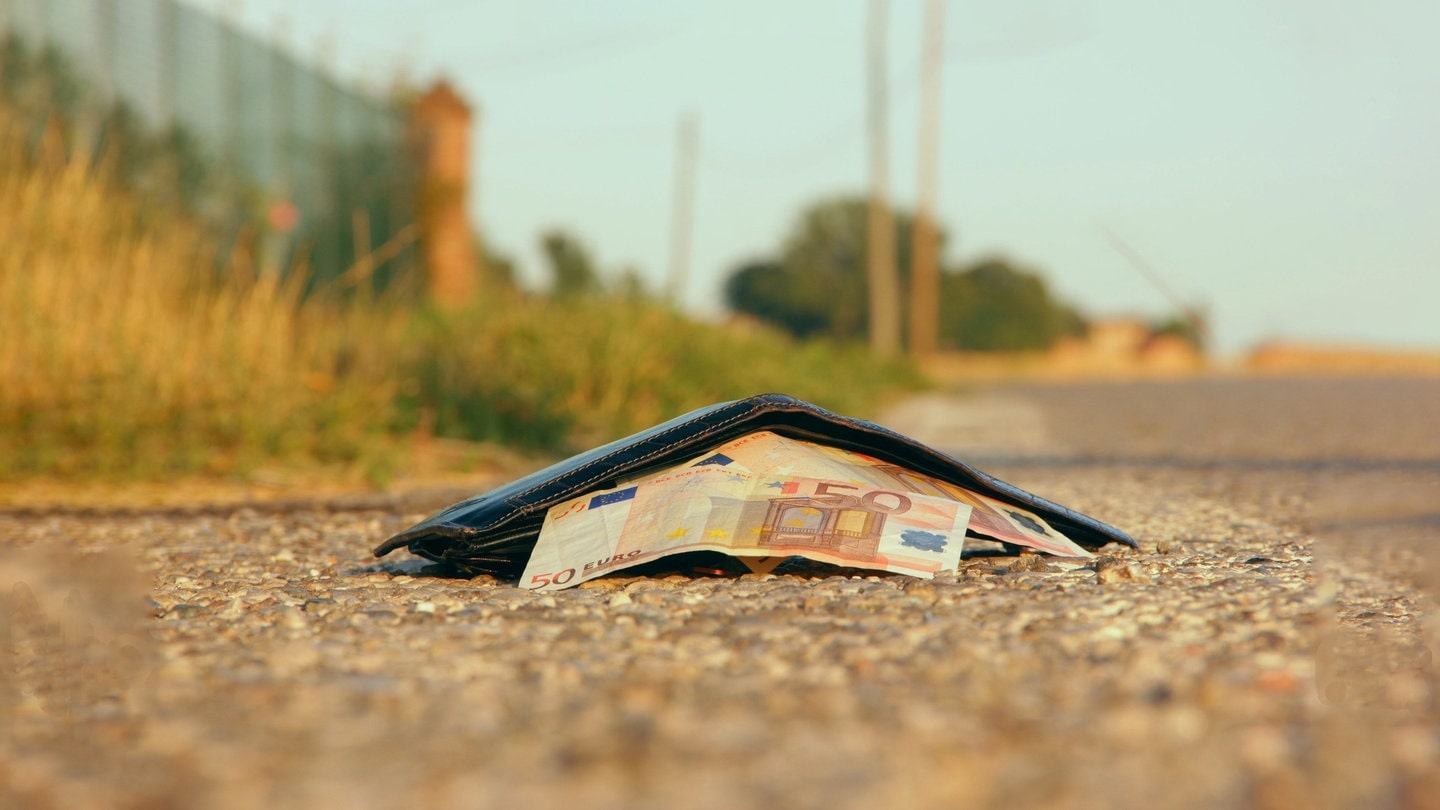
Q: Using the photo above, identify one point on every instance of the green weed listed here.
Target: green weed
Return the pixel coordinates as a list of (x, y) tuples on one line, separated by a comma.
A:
[(124, 355)]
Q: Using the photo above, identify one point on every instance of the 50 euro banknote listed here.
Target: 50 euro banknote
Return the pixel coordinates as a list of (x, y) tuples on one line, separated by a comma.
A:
[(764, 451), (716, 504)]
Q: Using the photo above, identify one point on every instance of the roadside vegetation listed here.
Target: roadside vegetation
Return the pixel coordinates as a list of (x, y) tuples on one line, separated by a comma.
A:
[(814, 284), (131, 348)]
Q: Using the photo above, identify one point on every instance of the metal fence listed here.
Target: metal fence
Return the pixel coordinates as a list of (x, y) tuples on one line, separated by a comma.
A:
[(292, 153)]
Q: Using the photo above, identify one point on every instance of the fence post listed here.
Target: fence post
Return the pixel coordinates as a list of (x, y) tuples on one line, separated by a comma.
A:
[(440, 122)]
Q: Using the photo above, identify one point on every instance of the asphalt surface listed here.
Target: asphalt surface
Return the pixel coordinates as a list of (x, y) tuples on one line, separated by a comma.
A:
[(1271, 644)]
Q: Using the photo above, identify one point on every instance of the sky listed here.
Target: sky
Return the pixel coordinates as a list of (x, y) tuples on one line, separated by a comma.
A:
[(1273, 161)]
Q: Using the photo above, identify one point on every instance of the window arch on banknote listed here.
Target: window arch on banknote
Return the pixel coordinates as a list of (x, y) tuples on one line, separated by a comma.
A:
[(794, 523)]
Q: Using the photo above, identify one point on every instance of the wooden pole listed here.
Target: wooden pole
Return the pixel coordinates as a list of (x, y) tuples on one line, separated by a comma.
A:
[(687, 147), (884, 290), (925, 252)]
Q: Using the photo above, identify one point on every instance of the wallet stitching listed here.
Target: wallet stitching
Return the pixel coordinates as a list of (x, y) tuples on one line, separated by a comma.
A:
[(608, 456), (518, 508)]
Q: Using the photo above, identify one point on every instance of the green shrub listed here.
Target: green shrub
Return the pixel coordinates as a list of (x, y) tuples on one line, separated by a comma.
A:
[(122, 355)]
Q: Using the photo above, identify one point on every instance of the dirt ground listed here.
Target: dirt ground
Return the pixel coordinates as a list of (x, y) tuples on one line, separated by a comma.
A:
[(1272, 643)]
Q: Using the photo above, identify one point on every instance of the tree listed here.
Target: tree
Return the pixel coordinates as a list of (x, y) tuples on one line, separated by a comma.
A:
[(765, 289), (571, 269), (992, 306), (497, 269), (818, 284), (1188, 325)]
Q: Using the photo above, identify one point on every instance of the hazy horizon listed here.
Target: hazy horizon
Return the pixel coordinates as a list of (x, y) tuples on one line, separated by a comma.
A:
[(1269, 159)]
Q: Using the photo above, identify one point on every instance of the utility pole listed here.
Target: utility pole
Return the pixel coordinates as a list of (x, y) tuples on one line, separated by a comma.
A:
[(687, 148), (925, 252), (880, 261)]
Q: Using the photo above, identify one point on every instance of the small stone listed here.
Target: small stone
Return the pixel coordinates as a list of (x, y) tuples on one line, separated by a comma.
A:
[(293, 619), (1170, 547), (603, 584), (619, 599), (925, 592), (186, 610), (379, 616), (1111, 569), (1031, 562), (655, 597)]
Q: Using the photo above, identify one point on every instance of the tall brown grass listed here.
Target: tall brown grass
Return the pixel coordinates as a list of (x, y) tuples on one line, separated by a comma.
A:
[(122, 352), (125, 353)]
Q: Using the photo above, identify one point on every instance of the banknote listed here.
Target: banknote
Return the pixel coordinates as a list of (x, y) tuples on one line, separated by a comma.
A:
[(765, 496), (710, 506), (764, 450)]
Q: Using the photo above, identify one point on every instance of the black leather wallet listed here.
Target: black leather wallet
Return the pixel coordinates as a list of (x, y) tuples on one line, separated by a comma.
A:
[(495, 532)]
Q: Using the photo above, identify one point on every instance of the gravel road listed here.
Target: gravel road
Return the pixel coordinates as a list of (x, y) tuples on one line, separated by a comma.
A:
[(1271, 644)]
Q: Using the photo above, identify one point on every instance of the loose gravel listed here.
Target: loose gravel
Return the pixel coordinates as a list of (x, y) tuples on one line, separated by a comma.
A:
[(248, 657)]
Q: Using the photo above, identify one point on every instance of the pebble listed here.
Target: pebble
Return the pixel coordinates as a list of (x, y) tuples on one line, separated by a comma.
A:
[(256, 657), (1111, 569)]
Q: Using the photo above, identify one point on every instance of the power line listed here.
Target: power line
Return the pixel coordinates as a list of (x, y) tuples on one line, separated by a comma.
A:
[(1186, 311), (550, 60)]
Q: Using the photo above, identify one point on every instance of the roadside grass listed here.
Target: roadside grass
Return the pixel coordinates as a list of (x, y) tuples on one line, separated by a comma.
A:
[(567, 374), (123, 356)]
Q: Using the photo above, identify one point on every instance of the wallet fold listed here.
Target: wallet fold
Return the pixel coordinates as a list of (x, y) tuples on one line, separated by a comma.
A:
[(494, 533)]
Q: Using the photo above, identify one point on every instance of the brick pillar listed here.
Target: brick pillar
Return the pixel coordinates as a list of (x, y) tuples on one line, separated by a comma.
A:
[(441, 122)]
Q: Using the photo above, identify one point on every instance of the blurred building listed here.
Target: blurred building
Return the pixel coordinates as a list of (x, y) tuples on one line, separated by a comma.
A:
[(1124, 346), (442, 122), (1293, 357)]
